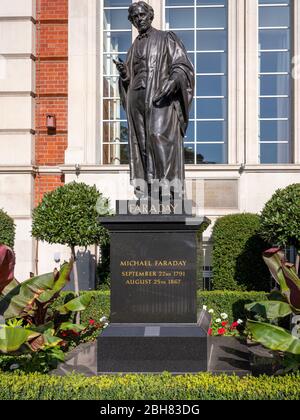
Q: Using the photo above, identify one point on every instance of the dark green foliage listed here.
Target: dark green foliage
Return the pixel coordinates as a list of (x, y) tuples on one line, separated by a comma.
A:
[(103, 267), (7, 229), (99, 306), (237, 254), (41, 361), (280, 218), (68, 216), (230, 302), (204, 386)]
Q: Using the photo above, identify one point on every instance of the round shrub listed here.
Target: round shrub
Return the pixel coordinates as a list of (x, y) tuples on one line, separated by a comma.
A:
[(7, 229), (280, 218), (68, 216), (237, 254)]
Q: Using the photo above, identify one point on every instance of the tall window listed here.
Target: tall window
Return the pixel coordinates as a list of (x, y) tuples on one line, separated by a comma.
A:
[(117, 39), (275, 81), (202, 26)]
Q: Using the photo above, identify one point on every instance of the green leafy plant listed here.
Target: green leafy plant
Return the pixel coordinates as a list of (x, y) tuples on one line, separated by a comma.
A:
[(200, 387), (220, 325), (280, 218), (7, 229), (236, 256), (26, 307), (263, 328), (69, 216)]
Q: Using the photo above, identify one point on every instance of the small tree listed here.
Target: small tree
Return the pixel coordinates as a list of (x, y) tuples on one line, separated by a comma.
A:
[(68, 216), (7, 229), (280, 218)]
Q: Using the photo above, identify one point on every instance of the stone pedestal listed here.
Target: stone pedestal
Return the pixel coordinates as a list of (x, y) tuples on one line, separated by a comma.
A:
[(154, 324)]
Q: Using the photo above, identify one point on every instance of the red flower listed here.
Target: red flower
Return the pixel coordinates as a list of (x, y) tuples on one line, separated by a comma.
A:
[(224, 323), (64, 334), (221, 331), (92, 321), (234, 325), (209, 332)]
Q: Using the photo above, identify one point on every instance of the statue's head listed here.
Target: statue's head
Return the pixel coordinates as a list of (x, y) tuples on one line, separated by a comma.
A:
[(141, 15)]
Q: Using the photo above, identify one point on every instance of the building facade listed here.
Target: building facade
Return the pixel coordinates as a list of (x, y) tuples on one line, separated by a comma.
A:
[(61, 118)]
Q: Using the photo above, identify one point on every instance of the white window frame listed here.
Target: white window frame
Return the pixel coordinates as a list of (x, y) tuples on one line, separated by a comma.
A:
[(290, 96), (195, 52)]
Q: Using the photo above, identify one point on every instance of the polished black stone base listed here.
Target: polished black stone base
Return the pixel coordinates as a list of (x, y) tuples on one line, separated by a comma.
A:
[(227, 355), (155, 263), (153, 348)]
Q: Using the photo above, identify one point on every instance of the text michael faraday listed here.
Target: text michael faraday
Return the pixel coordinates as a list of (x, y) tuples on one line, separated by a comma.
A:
[(151, 409)]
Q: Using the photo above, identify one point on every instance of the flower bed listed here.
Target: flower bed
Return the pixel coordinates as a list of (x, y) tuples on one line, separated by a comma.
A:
[(221, 326), (230, 303)]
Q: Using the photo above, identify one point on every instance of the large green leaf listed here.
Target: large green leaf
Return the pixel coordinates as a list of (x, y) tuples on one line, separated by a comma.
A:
[(273, 258), (31, 296), (270, 309), (50, 340), (293, 283), (273, 337), (75, 305), (13, 284), (68, 326), (12, 338), (59, 283), (285, 275), (22, 299)]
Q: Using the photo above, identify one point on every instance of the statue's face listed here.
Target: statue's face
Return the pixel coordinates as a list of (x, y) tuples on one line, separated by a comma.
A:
[(141, 19)]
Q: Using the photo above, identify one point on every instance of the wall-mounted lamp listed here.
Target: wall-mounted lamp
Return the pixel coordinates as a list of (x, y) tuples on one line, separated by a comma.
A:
[(51, 122)]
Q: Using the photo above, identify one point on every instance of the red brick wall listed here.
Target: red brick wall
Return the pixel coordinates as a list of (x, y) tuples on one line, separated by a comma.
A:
[(51, 89), (46, 183)]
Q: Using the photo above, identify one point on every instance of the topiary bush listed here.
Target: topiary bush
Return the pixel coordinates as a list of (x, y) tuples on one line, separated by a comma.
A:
[(69, 216), (280, 218), (237, 254), (7, 229)]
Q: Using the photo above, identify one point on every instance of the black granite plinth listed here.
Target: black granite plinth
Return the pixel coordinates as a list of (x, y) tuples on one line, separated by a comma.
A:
[(154, 207), (154, 267), (152, 348), (154, 263), (227, 355)]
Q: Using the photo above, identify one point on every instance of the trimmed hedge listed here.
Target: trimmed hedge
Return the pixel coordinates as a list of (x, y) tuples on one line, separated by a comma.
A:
[(220, 301), (204, 386), (237, 254), (231, 302), (7, 229)]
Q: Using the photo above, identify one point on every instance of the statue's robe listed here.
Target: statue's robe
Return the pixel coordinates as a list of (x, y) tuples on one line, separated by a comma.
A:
[(166, 123)]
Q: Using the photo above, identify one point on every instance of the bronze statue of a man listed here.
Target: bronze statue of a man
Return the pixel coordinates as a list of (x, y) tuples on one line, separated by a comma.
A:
[(156, 89)]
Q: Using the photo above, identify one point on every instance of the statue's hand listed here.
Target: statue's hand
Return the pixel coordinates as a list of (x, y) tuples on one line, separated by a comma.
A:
[(121, 67), (169, 88)]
